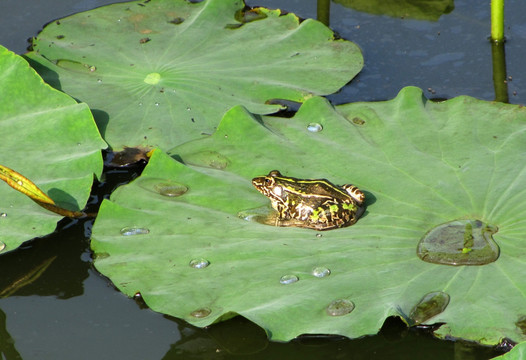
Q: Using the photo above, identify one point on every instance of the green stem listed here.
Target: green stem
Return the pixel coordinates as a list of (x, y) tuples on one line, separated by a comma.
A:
[(324, 11), (500, 83), (497, 20)]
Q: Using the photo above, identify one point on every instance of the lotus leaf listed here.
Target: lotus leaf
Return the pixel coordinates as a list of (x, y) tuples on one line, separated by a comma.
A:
[(192, 253), (49, 138), (159, 73)]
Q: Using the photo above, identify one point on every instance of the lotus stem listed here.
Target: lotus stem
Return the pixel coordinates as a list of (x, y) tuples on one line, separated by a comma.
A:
[(497, 20), (500, 82), (324, 11)]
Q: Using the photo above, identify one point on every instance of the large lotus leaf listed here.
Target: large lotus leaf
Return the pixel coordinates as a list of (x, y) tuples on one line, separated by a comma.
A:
[(162, 72), (420, 163), (420, 9), (50, 139)]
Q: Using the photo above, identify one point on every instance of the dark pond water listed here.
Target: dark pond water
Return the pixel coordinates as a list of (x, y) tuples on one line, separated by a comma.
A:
[(72, 312)]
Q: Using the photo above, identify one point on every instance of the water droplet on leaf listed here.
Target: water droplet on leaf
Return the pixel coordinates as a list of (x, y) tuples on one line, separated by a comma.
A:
[(339, 307), (157, 104), (199, 263), (99, 81), (201, 313), (2, 246), (321, 271), (210, 159), (75, 66), (127, 231), (172, 190), (459, 242), (163, 187), (288, 279), (314, 127), (429, 306), (3, 215)]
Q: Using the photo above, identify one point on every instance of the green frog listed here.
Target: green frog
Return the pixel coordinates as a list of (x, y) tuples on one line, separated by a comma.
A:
[(315, 204)]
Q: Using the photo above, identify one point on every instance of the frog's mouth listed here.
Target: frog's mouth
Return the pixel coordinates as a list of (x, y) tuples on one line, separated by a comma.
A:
[(259, 185)]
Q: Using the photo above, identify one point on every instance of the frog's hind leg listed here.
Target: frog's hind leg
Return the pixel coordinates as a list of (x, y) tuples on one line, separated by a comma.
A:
[(355, 193)]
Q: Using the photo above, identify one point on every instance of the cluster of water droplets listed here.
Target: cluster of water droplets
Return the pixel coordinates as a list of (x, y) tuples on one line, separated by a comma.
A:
[(318, 272), (338, 307)]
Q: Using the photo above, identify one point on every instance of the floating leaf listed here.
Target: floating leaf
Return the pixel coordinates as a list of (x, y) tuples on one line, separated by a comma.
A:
[(162, 72), (421, 164), (52, 140)]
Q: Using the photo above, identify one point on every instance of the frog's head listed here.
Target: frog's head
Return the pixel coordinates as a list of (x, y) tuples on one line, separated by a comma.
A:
[(268, 186)]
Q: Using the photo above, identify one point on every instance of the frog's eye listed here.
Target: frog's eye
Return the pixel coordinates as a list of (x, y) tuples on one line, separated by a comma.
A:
[(267, 181)]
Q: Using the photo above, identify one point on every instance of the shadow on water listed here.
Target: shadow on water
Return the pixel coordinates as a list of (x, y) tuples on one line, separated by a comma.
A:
[(47, 266), (238, 338)]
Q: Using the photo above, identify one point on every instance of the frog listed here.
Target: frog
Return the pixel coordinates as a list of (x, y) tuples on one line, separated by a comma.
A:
[(311, 203)]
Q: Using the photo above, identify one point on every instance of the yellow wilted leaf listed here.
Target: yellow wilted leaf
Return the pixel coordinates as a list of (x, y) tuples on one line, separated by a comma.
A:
[(19, 182)]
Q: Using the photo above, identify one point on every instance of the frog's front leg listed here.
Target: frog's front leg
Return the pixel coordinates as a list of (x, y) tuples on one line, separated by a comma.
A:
[(281, 208)]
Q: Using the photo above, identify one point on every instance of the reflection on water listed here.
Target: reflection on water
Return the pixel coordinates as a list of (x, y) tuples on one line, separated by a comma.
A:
[(7, 344)]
